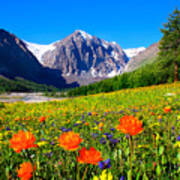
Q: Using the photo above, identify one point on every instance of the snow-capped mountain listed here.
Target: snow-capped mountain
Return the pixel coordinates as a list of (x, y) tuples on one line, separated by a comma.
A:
[(144, 57), (131, 52), (82, 57), (38, 50)]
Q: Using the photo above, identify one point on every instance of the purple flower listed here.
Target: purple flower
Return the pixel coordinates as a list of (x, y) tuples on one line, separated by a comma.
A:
[(127, 136), (7, 128), (94, 135), (106, 134), (63, 129), (89, 113), (105, 164), (52, 143), (178, 138), (97, 122), (53, 124), (122, 178), (114, 141), (102, 141), (76, 124), (112, 129), (109, 136), (49, 154), (134, 110)]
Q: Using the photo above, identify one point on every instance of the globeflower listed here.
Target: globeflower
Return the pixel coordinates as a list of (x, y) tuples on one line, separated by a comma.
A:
[(167, 109), (91, 156), (69, 141), (42, 119), (130, 125), (26, 171), (22, 140)]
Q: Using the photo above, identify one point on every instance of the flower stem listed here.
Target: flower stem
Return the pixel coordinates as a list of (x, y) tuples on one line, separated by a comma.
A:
[(131, 153), (84, 175)]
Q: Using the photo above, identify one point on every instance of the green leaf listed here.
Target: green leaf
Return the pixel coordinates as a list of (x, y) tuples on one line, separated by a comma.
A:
[(138, 175), (163, 160), (161, 150), (145, 176), (158, 170), (129, 175)]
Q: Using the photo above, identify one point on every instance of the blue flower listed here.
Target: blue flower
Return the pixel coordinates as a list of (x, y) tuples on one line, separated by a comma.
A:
[(122, 178), (105, 164), (109, 136), (106, 134), (114, 141), (7, 128), (112, 129), (102, 141), (82, 117), (178, 138), (63, 129)]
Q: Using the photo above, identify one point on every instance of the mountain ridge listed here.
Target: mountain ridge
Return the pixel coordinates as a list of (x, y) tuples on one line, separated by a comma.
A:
[(17, 61)]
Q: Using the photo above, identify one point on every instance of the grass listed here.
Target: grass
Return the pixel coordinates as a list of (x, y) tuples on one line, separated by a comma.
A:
[(156, 153)]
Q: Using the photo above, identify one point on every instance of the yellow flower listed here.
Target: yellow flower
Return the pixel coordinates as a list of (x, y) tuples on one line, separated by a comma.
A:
[(177, 144), (79, 122), (104, 176), (1, 136), (42, 143), (95, 128)]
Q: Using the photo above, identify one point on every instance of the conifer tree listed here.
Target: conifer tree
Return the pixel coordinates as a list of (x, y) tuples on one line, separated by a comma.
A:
[(170, 42)]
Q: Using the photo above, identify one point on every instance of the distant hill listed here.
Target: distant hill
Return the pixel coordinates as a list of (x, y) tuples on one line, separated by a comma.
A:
[(22, 85), (144, 57)]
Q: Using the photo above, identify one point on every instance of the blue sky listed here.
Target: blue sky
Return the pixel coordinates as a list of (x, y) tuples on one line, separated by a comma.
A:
[(131, 23)]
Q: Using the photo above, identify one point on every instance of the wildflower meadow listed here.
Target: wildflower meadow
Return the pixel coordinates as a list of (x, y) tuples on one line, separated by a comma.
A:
[(128, 134)]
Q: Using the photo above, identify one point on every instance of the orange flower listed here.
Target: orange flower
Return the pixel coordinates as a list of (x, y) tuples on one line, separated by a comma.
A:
[(101, 125), (69, 141), (86, 124), (42, 119), (167, 109), (94, 113), (91, 156), (22, 140), (130, 125), (26, 170)]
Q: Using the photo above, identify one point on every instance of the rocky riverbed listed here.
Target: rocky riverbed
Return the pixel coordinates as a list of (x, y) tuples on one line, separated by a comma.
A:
[(26, 97)]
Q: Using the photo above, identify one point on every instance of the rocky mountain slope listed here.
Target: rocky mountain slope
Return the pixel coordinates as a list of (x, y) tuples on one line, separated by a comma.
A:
[(147, 56), (82, 57), (17, 61)]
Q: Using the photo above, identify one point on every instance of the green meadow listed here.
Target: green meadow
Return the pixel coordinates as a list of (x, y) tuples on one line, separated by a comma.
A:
[(155, 153)]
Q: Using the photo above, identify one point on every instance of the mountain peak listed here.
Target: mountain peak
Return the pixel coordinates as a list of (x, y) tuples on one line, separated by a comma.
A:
[(83, 34)]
